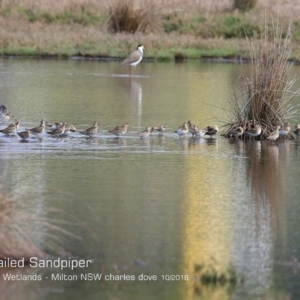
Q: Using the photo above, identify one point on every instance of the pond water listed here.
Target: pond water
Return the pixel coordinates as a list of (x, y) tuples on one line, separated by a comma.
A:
[(153, 207)]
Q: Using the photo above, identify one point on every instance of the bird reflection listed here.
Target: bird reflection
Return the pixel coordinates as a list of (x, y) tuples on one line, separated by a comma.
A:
[(194, 143), (183, 144), (144, 142), (118, 141), (135, 92), (265, 175)]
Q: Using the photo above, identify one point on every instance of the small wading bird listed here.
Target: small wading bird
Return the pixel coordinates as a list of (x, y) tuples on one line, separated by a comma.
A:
[(297, 129), (69, 128), (145, 133), (254, 131), (91, 130), (274, 135), (11, 128), (285, 129), (237, 132), (39, 129), (134, 58), (4, 114), (183, 129), (119, 130), (160, 128), (59, 130), (192, 127), (211, 130), (198, 132), (56, 125), (24, 135)]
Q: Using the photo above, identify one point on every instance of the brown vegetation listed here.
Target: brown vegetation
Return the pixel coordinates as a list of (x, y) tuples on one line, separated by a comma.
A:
[(267, 94), (99, 28)]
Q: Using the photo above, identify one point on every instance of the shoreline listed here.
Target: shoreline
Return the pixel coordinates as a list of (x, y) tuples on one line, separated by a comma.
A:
[(87, 57)]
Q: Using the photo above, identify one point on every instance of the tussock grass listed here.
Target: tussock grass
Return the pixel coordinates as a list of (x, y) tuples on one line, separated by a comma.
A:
[(244, 5), (267, 94), (131, 16)]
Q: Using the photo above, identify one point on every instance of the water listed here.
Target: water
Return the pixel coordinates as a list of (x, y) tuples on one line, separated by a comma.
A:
[(155, 207)]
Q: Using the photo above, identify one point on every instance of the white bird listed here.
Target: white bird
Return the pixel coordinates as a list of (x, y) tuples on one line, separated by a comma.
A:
[(134, 58)]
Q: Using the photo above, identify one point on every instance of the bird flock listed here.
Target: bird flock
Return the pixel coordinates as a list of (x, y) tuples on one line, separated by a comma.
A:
[(57, 129), (256, 130), (63, 129)]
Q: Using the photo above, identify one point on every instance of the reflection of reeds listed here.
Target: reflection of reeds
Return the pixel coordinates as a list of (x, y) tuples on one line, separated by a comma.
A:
[(265, 178), (208, 274), (20, 230), (267, 95), (16, 237), (263, 171)]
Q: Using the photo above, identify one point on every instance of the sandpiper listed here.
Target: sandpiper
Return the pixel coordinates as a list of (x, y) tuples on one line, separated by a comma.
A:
[(198, 132), (39, 129), (285, 129), (24, 135), (11, 128), (134, 57), (59, 130), (212, 130), (54, 126), (119, 130), (4, 114), (183, 129), (91, 130), (254, 131), (297, 129), (274, 135), (236, 133), (69, 128), (160, 128), (192, 127), (145, 133)]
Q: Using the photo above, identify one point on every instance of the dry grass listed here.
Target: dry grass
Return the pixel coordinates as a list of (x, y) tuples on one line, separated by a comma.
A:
[(31, 27), (289, 8), (267, 94)]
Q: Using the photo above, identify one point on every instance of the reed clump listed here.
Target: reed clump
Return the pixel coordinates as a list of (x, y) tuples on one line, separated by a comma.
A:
[(244, 5), (131, 16), (266, 96)]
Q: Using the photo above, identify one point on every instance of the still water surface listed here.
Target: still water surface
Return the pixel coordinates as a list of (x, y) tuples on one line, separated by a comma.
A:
[(159, 206)]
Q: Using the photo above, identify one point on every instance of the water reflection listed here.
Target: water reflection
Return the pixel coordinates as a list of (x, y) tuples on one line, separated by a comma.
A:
[(135, 92), (172, 202)]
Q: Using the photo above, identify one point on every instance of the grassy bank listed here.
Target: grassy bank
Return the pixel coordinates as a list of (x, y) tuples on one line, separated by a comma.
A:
[(174, 29)]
